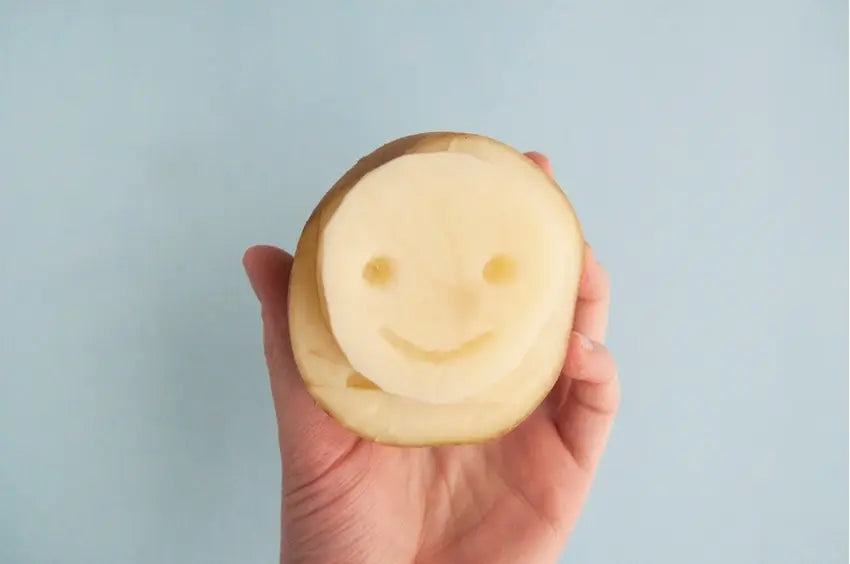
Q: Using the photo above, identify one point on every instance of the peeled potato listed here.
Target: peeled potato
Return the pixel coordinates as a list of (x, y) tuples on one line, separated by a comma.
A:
[(433, 290)]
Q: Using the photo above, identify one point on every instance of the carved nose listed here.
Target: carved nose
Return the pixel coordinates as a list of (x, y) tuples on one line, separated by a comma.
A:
[(466, 302)]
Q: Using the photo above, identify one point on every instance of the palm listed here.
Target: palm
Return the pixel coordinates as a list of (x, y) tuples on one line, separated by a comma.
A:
[(440, 504)]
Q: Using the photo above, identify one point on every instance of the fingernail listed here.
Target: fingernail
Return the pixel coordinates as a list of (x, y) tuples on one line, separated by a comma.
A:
[(584, 341)]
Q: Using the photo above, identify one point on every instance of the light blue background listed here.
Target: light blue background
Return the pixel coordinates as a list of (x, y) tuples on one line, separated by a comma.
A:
[(143, 147)]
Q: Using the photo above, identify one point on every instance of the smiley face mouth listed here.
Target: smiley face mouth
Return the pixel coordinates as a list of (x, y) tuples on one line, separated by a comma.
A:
[(435, 356)]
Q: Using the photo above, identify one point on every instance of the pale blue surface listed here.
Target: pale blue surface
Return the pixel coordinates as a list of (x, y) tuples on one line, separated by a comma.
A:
[(142, 149)]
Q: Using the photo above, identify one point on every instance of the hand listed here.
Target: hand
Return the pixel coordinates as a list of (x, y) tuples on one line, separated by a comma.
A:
[(514, 499)]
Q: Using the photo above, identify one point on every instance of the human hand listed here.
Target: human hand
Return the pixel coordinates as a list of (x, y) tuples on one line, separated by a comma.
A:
[(347, 500)]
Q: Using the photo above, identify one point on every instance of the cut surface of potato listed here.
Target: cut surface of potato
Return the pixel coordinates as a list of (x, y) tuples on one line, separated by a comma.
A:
[(433, 289)]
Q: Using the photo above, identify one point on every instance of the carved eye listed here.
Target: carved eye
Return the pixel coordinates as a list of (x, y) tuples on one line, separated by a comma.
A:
[(499, 270), (379, 271)]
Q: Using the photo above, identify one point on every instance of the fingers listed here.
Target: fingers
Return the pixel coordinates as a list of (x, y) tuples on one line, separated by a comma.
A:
[(268, 271), (590, 398), (308, 437), (541, 160), (594, 298), (587, 395)]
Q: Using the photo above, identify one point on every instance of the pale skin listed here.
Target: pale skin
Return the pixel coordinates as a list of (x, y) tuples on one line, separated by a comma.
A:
[(512, 499)]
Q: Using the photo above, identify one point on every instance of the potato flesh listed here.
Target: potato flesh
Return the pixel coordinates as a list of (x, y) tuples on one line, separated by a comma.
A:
[(403, 269), (432, 296)]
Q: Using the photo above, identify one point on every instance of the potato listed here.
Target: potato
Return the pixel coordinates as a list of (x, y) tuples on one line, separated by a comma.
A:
[(433, 291)]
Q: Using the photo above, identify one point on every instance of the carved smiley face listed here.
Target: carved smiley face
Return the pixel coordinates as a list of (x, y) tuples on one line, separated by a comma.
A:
[(436, 292)]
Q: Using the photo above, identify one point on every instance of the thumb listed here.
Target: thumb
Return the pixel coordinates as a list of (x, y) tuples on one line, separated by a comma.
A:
[(309, 439)]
